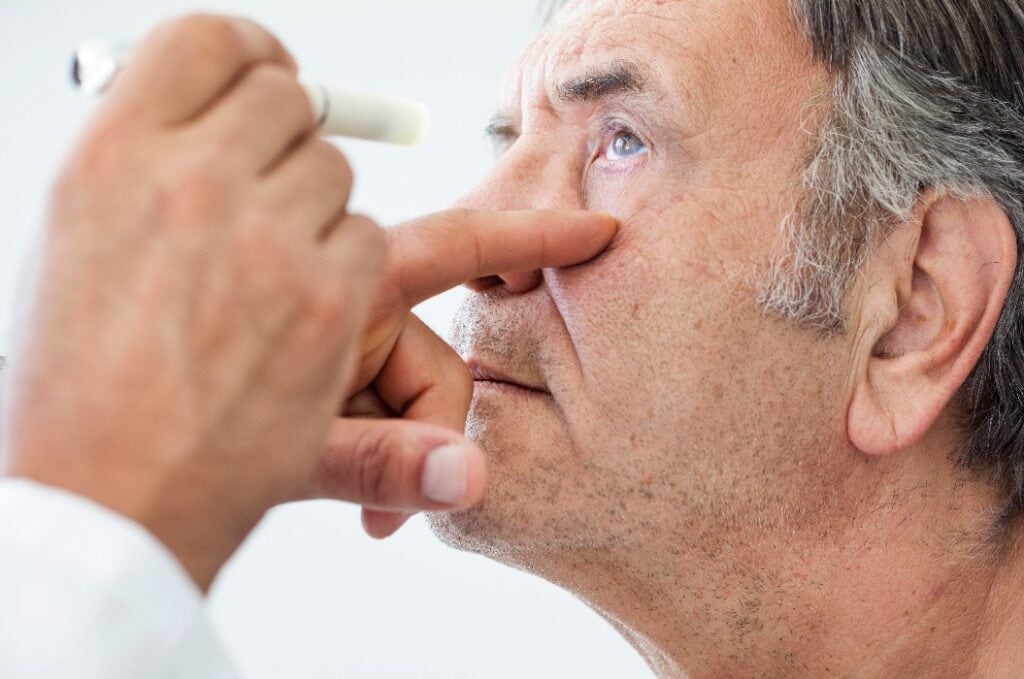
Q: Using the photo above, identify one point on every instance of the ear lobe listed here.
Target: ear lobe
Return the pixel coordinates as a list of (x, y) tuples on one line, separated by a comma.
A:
[(926, 318)]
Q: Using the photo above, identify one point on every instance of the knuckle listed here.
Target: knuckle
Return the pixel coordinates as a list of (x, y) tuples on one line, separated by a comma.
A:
[(366, 244), (381, 468), (291, 92), (322, 177), (455, 219), (371, 238), (331, 166), (273, 80), (206, 35), (273, 90), (455, 224)]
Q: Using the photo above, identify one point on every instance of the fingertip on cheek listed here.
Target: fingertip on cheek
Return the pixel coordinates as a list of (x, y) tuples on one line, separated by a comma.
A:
[(624, 232)]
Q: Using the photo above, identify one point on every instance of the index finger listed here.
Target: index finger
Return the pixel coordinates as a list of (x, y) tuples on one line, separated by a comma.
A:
[(441, 251), (185, 64)]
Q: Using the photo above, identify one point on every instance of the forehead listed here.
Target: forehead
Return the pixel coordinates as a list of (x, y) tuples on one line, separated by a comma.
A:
[(697, 50)]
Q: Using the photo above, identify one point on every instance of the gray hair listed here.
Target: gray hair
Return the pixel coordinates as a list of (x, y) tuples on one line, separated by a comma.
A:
[(928, 94)]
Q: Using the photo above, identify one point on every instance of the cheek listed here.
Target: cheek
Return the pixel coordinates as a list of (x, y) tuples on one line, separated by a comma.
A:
[(663, 273), (622, 194), (646, 320)]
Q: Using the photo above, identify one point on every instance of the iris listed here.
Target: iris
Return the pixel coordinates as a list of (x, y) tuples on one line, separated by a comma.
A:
[(624, 145)]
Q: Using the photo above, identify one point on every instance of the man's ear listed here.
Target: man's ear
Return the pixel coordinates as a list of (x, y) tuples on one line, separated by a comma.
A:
[(929, 302)]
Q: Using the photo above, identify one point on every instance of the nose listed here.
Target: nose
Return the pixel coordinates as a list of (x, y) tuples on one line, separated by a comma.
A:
[(531, 175)]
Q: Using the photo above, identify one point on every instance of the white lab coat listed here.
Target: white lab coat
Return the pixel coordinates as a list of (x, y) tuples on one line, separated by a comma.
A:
[(86, 593)]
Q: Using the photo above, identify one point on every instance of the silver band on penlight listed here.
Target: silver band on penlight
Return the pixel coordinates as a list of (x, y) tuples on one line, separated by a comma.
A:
[(339, 111)]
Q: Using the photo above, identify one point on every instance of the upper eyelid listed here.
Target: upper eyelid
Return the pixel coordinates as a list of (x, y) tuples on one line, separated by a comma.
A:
[(616, 126), (608, 132)]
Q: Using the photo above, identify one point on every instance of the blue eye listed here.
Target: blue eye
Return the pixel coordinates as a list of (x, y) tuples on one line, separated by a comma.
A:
[(624, 145)]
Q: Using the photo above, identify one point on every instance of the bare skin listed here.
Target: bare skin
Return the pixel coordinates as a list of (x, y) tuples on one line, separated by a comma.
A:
[(739, 496), (204, 307)]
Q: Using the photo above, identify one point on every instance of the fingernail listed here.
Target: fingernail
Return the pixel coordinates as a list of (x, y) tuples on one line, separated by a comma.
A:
[(445, 475)]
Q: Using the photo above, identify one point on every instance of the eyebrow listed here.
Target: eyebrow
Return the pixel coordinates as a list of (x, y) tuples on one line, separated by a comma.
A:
[(501, 128), (615, 78), (612, 79)]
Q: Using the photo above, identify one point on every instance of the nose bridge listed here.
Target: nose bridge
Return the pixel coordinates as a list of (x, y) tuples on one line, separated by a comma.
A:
[(533, 174), (536, 173)]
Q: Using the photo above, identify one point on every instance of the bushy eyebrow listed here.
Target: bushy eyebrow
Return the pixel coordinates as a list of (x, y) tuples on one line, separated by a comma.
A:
[(609, 80), (614, 78)]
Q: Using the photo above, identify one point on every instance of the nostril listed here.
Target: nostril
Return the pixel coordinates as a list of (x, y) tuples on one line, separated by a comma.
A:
[(513, 283), (483, 284), (522, 282)]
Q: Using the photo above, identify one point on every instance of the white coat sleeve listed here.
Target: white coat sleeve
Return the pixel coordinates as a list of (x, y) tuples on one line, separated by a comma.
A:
[(87, 593)]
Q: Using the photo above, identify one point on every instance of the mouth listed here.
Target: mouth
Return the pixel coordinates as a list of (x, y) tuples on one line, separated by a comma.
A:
[(488, 377)]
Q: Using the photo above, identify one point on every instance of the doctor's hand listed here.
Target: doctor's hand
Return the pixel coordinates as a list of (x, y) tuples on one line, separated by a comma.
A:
[(196, 309), (203, 305), (411, 458)]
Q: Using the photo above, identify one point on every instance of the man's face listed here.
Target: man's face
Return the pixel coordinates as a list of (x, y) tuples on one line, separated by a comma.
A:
[(678, 415)]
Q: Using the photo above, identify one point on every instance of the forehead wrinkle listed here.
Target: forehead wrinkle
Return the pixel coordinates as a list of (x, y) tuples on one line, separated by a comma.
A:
[(633, 45), (602, 34)]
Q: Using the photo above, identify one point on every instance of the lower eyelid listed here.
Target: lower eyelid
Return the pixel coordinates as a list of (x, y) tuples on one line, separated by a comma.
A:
[(621, 166)]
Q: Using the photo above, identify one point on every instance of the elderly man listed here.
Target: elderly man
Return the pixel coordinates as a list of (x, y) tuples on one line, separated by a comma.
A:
[(774, 430)]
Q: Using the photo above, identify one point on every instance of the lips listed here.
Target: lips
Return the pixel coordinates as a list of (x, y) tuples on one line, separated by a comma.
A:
[(490, 376)]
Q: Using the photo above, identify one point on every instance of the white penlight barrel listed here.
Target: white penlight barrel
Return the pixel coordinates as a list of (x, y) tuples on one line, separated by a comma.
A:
[(349, 113), (338, 111)]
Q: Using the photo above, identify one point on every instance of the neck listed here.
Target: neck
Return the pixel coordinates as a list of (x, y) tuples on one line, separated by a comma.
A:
[(1002, 648), (900, 600)]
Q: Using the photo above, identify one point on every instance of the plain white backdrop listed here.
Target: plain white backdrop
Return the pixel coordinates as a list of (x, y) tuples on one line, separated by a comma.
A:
[(309, 595)]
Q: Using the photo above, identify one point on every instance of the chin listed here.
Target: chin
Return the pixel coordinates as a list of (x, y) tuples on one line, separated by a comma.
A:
[(506, 520), (542, 497)]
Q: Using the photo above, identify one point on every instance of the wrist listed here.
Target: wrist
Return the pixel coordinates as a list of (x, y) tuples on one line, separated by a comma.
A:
[(196, 528)]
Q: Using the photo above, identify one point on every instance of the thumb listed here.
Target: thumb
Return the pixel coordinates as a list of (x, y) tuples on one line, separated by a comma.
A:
[(399, 465)]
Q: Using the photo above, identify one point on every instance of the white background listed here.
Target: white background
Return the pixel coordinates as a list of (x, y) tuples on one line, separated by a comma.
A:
[(309, 595)]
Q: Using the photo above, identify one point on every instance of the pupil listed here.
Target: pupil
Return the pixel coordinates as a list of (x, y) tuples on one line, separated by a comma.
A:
[(624, 144)]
